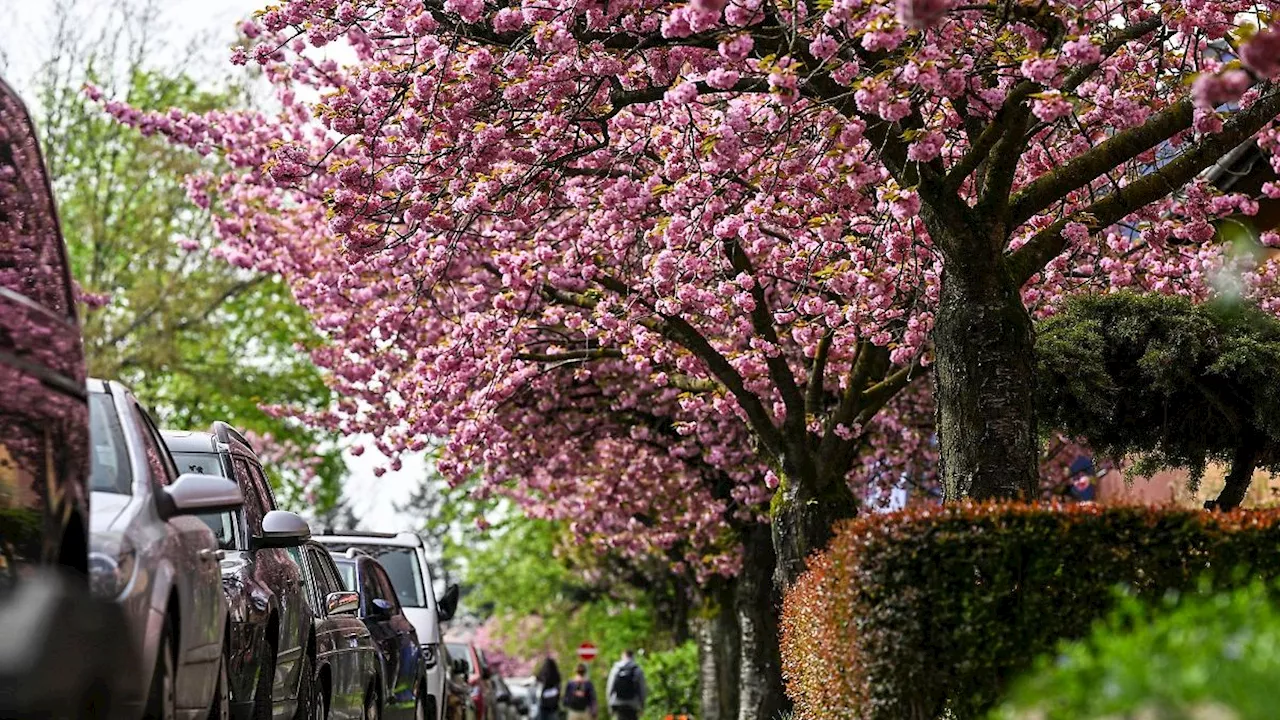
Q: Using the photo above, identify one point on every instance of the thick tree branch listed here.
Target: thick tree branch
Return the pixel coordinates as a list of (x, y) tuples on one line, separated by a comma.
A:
[(570, 355), (1111, 153), (817, 375), (1031, 258)]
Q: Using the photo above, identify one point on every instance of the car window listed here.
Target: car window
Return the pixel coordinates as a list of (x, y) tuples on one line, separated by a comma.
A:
[(158, 462), (385, 590), (459, 652), (111, 470), (402, 566), (347, 571), (369, 590), (262, 487), (311, 581), (252, 501), (225, 526), (333, 582), (32, 259)]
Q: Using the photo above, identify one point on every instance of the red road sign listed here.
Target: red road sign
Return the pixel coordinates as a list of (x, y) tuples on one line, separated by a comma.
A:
[(586, 652)]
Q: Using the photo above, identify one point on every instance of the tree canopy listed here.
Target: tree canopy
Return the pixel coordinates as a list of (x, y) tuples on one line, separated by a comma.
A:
[(1171, 382)]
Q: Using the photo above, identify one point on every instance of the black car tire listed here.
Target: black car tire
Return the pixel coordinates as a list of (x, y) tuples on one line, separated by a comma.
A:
[(372, 705), (220, 709), (420, 703), (262, 701), (162, 700), (319, 704)]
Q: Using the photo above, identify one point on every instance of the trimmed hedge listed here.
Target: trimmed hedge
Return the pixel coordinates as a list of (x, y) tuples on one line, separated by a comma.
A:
[(909, 615)]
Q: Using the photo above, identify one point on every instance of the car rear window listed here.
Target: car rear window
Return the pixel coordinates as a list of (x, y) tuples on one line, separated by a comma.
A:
[(111, 470), (348, 573)]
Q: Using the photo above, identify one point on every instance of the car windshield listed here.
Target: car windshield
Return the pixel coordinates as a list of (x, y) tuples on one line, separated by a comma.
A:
[(402, 567), (459, 652), (111, 471), (222, 524)]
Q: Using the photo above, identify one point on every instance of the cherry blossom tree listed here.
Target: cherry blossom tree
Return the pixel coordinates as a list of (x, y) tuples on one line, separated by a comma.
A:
[(758, 211)]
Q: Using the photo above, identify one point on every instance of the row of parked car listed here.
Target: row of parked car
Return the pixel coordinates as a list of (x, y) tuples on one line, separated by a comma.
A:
[(150, 573)]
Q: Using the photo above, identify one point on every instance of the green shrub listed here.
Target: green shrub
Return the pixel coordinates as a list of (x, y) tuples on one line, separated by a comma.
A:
[(672, 677), (912, 615), (1210, 655)]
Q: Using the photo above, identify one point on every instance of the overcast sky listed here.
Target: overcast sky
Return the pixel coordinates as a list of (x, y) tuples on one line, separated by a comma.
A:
[(24, 34)]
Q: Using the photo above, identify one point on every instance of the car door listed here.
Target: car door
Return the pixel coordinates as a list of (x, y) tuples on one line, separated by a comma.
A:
[(284, 576), (379, 625), (405, 640), (193, 552), (350, 639)]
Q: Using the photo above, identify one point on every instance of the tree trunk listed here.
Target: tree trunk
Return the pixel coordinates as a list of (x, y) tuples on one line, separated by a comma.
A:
[(760, 694), (985, 380), (802, 517), (718, 660), (1243, 463)]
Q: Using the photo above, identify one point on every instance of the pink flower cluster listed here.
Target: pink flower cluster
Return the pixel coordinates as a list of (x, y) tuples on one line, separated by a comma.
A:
[(588, 243)]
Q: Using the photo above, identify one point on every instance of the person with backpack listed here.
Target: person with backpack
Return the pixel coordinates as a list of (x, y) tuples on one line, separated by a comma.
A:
[(549, 690), (580, 696), (626, 688)]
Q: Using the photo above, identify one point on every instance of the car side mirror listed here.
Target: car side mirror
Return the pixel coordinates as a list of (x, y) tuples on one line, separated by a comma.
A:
[(342, 603), (447, 607), (459, 668), (195, 493), (282, 529)]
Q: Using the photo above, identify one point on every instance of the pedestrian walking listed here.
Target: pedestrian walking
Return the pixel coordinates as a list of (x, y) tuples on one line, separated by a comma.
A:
[(549, 690), (580, 696), (626, 689)]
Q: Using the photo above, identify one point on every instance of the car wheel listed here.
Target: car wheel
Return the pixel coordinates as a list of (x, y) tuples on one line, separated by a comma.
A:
[(221, 707), (262, 701), (319, 707), (162, 704)]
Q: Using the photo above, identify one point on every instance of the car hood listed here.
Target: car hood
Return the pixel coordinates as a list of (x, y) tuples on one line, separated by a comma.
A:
[(425, 622), (105, 509)]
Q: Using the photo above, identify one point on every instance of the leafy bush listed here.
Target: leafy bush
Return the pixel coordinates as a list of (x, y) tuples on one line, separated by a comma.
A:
[(1210, 655), (912, 615), (672, 677)]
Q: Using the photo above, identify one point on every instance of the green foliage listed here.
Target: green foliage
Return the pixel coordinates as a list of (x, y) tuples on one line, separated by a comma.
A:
[(1198, 656), (195, 338), (1175, 382), (914, 614), (672, 676)]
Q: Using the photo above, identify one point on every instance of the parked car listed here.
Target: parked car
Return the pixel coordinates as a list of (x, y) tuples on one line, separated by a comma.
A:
[(150, 554), (504, 700), (458, 704), (524, 691), (271, 643), (405, 559), (44, 463), (402, 670), (44, 412), (347, 682), (479, 678)]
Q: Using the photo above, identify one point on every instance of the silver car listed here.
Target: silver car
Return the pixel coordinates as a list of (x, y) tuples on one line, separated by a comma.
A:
[(150, 553)]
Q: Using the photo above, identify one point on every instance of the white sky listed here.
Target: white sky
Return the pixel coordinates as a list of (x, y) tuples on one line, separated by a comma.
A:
[(25, 29)]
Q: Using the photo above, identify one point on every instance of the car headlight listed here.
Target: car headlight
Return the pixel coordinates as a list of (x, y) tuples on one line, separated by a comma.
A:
[(112, 562), (430, 655)]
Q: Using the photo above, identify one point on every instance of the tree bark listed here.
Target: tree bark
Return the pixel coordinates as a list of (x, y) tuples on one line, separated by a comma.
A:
[(757, 604), (718, 659), (802, 518), (1243, 463), (985, 380)]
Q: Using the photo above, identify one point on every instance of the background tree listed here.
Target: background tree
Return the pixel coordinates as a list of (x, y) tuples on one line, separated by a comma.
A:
[(195, 337), (1176, 384)]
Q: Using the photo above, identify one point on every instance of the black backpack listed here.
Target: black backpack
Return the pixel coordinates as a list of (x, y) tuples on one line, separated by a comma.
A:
[(577, 696), (550, 698), (625, 684)]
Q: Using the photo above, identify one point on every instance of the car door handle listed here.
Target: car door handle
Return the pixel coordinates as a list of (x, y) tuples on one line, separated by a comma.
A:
[(209, 554)]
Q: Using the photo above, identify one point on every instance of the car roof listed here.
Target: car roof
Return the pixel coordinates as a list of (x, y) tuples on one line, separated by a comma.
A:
[(359, 537), (189, 441)]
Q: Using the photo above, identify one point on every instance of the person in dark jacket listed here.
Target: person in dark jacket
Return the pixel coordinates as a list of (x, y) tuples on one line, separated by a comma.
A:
[(626, 689), (580, 696), (549, 690)]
